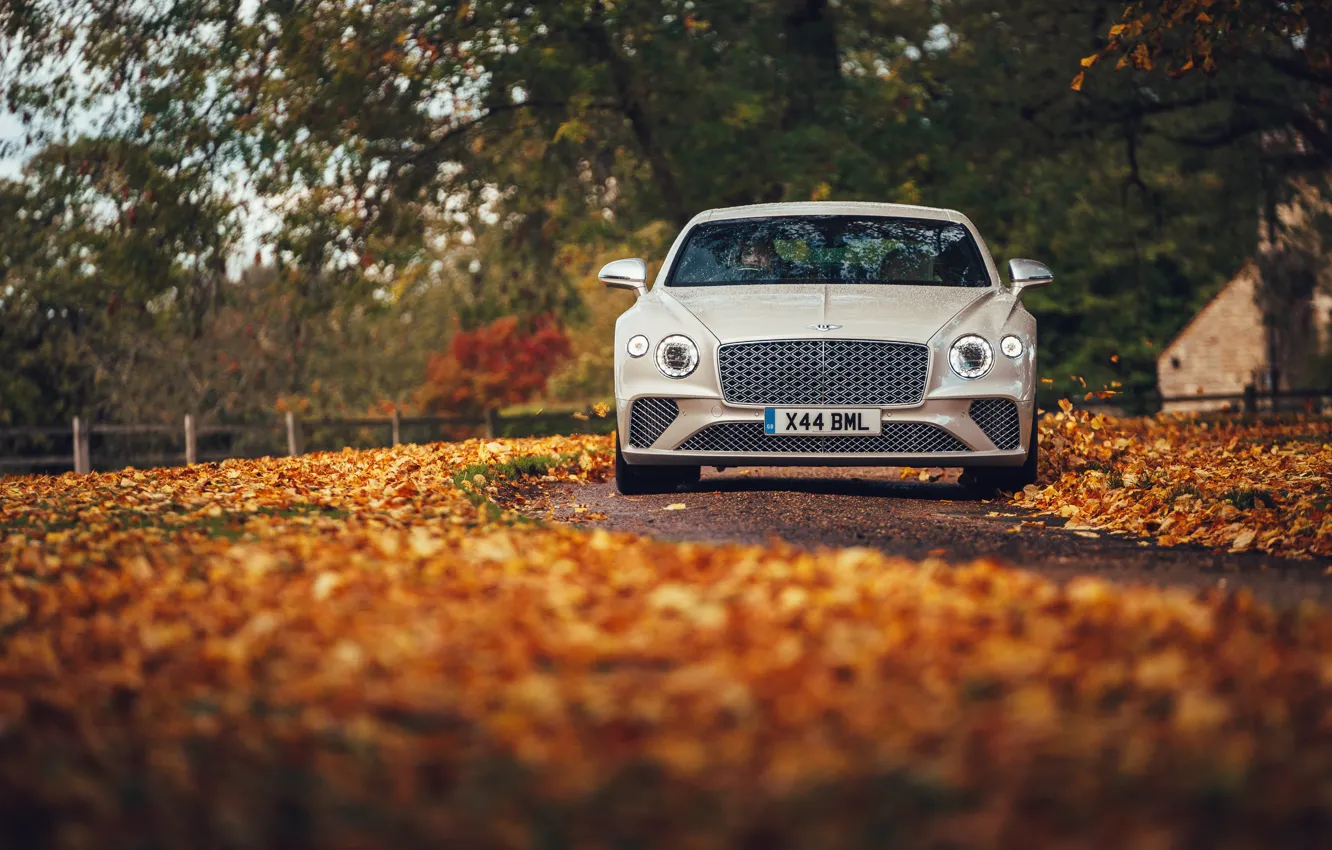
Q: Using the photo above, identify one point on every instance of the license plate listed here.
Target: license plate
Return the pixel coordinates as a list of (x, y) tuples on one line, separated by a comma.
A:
[(820, 420)]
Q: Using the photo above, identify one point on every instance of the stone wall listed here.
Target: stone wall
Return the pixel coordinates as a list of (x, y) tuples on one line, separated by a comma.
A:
[(1223, 349)]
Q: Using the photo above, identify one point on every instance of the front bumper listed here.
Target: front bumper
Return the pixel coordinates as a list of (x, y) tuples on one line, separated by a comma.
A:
[(911, 435)]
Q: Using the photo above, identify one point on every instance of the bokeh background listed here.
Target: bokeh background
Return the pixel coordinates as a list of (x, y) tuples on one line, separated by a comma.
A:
[(338, 208)]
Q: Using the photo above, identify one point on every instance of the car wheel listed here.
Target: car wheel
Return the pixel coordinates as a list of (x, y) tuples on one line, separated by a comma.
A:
[(988, 481), (646, 480)]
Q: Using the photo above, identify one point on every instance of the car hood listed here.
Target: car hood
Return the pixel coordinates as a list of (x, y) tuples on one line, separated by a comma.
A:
[(896, 312)]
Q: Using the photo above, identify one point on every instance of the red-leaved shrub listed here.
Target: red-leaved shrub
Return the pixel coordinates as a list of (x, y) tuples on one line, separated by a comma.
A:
[(505, 362)]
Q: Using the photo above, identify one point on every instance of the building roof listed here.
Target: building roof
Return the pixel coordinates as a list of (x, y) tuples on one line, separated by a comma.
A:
[(1248, 273)]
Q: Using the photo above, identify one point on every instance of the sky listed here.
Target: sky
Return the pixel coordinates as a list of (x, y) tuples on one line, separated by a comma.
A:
[(10, 128)]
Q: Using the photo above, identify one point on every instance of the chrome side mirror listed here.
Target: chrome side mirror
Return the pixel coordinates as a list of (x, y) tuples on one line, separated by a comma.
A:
[(625, 274), (1028, 274)]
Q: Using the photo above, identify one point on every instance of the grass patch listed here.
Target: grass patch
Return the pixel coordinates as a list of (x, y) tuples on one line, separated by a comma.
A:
[(1148, 479), (510, 470), (1182, 490), (169, 518), (466, 479), (1247, 498)]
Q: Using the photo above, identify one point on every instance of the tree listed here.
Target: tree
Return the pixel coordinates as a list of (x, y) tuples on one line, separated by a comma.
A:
[(1273, 64), (539, 120), (1139, 228), (496, 365), (472, 143), (1280, 52), (108, 248)]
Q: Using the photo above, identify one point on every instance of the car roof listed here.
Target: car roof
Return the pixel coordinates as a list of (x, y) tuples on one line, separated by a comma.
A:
[(830, 208)]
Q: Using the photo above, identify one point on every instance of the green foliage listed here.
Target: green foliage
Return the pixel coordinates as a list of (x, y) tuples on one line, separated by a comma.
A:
[(473, 479), (432, 161), (1275, 57), (107, 250), (1248, 498), (1139, 229)]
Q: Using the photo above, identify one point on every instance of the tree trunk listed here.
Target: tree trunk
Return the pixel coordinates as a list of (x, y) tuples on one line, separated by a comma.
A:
[(633, 105), (815, 64)]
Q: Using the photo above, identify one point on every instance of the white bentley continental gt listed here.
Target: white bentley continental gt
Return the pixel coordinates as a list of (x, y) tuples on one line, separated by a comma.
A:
[(821, 334)]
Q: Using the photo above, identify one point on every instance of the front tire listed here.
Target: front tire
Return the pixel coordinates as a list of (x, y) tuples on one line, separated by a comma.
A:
[(651, 480), (1007, 479)]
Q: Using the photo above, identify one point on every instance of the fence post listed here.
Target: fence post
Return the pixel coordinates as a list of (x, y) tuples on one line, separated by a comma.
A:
[(82, 462), (191, 444), (293, 448), (397, 423), (1250, 398)]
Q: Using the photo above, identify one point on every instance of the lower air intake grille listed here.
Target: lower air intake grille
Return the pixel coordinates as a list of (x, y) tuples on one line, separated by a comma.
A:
[(894, 438), (998, 418), (648, 418)]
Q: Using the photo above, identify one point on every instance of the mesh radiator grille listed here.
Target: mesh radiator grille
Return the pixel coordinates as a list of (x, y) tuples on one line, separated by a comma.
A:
[(893, 438), (823, 372), (998, 418), (649, 418)]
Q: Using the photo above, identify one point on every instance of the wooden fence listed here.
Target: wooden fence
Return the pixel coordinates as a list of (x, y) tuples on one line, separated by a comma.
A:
[(292, 435), (289, 434), (1253, 400)]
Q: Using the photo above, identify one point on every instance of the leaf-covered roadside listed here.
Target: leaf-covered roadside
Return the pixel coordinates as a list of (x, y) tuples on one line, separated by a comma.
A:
[(1229, 483), (93, 516), (351, 650)]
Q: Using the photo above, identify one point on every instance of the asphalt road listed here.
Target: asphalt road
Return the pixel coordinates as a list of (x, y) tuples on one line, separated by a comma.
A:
[(818, 507)]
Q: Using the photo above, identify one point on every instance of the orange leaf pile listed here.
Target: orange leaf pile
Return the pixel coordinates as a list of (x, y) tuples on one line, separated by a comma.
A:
[(353, 650), (1229, 484)]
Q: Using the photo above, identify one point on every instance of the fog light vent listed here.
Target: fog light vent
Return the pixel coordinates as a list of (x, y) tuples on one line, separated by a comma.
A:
[(649, 418), (998, 418)]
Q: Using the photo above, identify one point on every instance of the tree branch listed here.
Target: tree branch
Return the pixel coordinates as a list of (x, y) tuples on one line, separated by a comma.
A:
[(636, 112), (1298, 70)]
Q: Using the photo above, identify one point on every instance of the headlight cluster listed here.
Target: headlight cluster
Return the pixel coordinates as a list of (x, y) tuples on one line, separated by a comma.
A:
[(677, 356), (971, 356)]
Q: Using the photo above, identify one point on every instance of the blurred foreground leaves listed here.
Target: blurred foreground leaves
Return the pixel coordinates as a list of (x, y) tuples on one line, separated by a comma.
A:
[(359, 650)]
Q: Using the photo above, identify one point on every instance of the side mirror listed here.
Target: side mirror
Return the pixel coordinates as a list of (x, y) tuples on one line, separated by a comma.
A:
[(625, 274), (1028, 274)]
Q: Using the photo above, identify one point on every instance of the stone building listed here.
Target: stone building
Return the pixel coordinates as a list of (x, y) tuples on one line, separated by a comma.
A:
[(1220, 351), (1228, 346)]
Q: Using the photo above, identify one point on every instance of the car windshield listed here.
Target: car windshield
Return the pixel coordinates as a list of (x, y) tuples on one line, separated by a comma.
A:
[(829, 249)]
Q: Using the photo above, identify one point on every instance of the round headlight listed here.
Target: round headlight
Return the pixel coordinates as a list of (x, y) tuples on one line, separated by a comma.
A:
[(677, 356), (638, 345), (1011, 346), (971, 357)]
